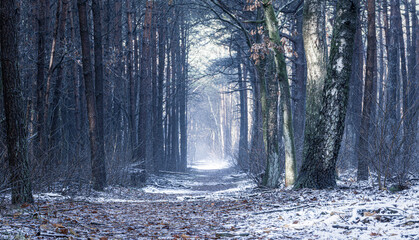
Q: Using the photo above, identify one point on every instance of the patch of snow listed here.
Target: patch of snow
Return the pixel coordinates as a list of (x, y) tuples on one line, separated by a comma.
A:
[(211, 164), (339, 64), (151, 189)]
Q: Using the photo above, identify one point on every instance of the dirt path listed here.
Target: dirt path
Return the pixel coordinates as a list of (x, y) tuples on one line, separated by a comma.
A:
[(213, 204)]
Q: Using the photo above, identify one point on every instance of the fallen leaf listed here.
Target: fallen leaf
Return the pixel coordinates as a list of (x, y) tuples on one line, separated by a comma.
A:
[(62, 230), (43, 226), (57, 225), (369, 214), (73, 232), (184, 236), (25, 205), (375, 234)]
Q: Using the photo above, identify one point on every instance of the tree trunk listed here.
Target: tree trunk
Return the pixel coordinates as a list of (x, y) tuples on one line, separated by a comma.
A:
[(391, 107), (257, 156), (40, 82), (159, 132), (54, 133), (315, 45), (131, 81), (299, 90), (412, 89), (17, 155), (272, 173), (145, 121), (99, 180), (183, 99), (369, 93), (350, 145), (319, 167), (243, 160), (99, 79)]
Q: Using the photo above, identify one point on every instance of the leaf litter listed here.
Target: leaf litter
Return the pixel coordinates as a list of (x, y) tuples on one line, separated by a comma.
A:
[(214, 204)]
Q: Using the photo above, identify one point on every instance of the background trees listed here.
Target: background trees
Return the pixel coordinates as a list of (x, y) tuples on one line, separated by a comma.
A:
[(148, 100)]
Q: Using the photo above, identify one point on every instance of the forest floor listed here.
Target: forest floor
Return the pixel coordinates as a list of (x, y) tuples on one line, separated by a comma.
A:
[(212, 204)]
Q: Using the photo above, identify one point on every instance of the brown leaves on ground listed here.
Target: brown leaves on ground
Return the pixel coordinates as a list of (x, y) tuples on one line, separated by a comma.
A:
[(165, 219)]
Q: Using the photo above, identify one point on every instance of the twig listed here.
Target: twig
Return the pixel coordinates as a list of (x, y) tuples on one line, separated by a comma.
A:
[(52, 235), (282, 210), (349, 227), (407, 223)]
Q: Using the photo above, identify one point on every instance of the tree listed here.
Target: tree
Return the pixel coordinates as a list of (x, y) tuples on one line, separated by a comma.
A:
[(319, 167), (98, 164), (272, 170), (99, 79), (243, 141), (315, 45), (145, 122), (20, 179), (369, 94), (40, 78)]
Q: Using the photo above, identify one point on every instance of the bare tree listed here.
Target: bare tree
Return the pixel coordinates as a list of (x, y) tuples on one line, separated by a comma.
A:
[(20, 180), (98, 165)]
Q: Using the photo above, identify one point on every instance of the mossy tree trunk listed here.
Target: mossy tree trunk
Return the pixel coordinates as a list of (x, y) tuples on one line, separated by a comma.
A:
[(270, 108), (318, 170)]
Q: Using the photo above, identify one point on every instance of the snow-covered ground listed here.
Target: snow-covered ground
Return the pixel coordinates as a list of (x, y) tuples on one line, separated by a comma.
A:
[(217, 202)]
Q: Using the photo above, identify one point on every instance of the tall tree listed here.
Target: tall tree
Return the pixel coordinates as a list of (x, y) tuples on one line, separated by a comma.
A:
[(145, 121), (272, 172), (54, 133), (183, 93), (20, 178), (98, 165), (159, 132), (299, 88), (319, 167), (131, 83), (315, 45), (40, 80), (244, 123), (369, 94), (99, 79)]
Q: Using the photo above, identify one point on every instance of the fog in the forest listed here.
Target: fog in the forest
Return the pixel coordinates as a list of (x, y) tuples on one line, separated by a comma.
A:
[(209, 119)]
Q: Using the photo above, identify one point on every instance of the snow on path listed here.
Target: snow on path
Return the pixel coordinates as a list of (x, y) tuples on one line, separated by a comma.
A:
[(218, 203)]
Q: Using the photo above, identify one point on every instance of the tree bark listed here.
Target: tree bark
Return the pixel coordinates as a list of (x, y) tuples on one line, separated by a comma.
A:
[(97, 165), (131, 81), (319, 168), (159, 131), (40, 82), (183, 99), (20, 178), (272, 172), (315, 45), (350, 145), (244, 124), (299, 90), (54, 133), (369, 93), (145, 122), (99, 79)]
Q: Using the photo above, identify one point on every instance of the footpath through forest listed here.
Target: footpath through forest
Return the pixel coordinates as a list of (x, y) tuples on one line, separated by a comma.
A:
[(217, 203)]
